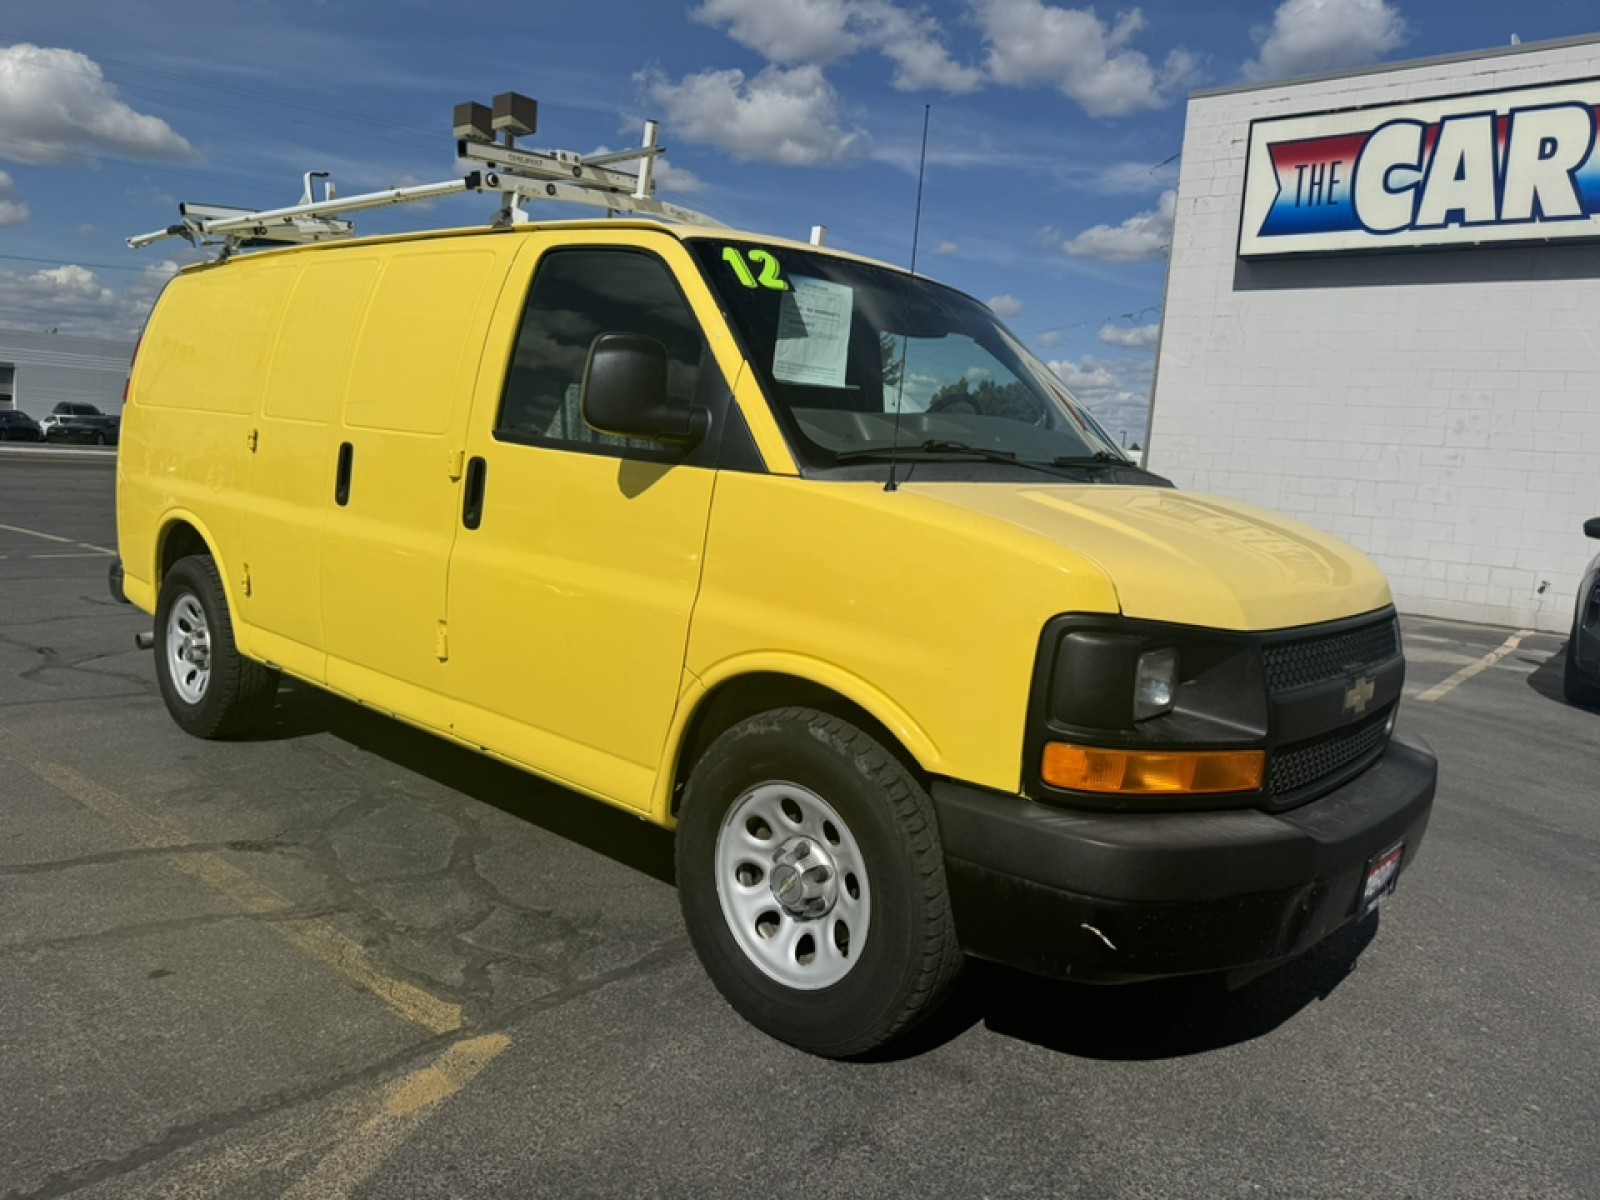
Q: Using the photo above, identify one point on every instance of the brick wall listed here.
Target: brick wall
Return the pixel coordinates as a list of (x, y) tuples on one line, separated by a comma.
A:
[(1440, 410)]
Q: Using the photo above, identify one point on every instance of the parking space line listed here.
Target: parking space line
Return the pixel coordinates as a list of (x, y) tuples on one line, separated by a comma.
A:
[(316, 939), (406, 1104), (71, 554), (49, 537), (1474, 668)]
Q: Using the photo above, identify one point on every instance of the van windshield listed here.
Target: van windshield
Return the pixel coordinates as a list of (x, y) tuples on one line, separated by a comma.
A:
[(861, 361)]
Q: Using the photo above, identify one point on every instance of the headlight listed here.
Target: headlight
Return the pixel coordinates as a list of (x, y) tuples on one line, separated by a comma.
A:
[(1155, 681)]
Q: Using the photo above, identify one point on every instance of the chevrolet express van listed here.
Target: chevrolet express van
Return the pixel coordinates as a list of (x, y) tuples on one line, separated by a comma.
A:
[(799, 554)]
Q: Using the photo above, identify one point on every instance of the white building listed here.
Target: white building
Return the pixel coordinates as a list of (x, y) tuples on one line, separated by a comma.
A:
[(39, 369), (1383, 317)]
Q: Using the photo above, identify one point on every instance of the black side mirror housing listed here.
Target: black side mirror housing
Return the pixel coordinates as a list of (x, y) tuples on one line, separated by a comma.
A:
[(625, 392), (1591, 527)]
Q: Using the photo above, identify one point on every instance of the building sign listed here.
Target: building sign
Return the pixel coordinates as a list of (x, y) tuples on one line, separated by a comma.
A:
[(1510, 166)]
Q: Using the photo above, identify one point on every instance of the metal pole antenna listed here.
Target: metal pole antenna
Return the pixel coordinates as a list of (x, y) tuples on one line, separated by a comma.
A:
[(916, 231)]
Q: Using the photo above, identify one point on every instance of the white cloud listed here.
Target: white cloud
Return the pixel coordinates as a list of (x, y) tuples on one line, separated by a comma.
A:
[(1137, 337), (914, 43), (1049, 338), (1005, 307), (73, 299), (785, 31), (87, 231), (1142, 236), (1085, 379), (55, 104), (818, 32), (12, 209), (781, 116), (1310, 36), (677, 179), (1072, 49), (948, 249), (1117, 391)]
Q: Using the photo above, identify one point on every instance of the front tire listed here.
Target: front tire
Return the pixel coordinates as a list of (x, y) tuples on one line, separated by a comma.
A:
[(211, 690), (812, 883), (1574, 686)]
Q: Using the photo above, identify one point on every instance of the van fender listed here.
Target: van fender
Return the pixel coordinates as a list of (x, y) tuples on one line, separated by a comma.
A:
[(913, 737), (230, 585)]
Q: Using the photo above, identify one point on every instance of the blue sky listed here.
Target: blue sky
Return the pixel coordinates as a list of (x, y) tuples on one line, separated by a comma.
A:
[(1053, 148)]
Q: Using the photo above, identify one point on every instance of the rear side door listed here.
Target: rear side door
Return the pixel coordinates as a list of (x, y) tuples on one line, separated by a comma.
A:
[(292, 472), (579, 557), (393, 467)]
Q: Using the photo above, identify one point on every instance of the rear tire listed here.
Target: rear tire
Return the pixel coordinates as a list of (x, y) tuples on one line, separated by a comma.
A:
[(211, 690), (798, 804)]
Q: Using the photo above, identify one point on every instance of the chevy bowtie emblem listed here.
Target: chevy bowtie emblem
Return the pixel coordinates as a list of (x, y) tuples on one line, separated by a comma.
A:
[(1358, 695)]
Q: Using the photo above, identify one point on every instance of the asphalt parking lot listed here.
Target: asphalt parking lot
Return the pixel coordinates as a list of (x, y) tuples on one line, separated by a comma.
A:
[(345, 959)]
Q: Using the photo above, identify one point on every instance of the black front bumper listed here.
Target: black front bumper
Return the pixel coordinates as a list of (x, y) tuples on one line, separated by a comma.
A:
[(1115, 897)]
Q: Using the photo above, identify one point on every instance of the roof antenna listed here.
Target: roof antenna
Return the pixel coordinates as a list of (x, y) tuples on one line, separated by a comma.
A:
[(916, 230)]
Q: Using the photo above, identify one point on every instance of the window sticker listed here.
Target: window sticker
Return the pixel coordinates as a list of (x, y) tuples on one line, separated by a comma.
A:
[(813, 343), (770, 276)]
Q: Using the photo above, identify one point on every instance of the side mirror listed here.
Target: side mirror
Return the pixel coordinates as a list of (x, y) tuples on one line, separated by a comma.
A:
[(1591, 527), (625, 392)]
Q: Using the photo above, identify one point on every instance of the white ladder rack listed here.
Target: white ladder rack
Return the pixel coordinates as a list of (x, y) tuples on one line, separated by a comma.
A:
[(519, 175)]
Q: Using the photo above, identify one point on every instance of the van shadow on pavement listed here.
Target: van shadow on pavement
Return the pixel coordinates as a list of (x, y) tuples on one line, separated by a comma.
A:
[(303, 711), (1142, 1021), (1171, 1018)]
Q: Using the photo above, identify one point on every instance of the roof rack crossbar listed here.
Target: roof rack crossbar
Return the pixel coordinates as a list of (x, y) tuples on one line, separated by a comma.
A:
[(518, 175)]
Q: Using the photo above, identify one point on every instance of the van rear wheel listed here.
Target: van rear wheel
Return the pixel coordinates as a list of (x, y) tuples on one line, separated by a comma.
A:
[(210, 689), (812, 882)]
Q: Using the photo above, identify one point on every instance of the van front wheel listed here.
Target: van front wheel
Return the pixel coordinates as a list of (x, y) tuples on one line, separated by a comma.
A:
[(812, 882), (210, 689)]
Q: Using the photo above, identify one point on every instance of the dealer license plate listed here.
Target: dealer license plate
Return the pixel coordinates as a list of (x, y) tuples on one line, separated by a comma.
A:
[(1382, 875)]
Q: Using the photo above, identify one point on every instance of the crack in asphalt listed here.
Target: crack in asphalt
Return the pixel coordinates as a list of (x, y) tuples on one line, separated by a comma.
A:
[(141, 929), (115, 856), (181, 1137)]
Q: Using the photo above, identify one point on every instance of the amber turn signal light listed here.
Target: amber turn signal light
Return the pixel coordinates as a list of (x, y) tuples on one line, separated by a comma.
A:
[(1150, 773)]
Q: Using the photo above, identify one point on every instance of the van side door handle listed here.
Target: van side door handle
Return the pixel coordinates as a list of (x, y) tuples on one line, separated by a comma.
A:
[(341, 482), (472, 493)]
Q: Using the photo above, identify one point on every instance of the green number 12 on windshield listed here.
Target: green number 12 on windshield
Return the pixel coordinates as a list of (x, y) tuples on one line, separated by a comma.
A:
[(769, 277)]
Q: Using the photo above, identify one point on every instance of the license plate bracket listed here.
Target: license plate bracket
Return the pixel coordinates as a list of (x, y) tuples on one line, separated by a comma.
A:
[(1379, 879)]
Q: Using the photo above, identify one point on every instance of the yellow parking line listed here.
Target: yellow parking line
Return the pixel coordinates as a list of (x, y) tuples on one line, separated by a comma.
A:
[(316, 939), (405, 1105), (1474, 668)]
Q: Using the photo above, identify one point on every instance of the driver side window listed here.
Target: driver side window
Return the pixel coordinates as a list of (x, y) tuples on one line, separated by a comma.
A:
[(576, 296)]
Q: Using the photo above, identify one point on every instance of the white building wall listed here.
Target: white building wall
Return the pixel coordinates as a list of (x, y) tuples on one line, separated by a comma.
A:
[(1439, 409), (54, 367)]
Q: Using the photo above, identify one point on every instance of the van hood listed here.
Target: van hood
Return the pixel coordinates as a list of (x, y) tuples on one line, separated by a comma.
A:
[(1188, 558)]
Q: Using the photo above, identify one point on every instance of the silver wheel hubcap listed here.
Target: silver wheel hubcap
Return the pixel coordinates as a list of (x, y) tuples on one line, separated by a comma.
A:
[(793, 886), (189, 648)]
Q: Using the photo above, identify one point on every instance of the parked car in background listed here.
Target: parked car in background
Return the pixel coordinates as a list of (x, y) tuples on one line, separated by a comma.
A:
[(18, 426), (71, 421), (1581, 681)]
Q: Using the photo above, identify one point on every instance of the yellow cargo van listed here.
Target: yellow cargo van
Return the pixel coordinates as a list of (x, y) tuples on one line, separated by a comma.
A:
[(800, 554)]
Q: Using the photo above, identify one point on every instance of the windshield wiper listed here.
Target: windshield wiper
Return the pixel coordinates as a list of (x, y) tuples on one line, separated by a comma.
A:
[(935, 446), (1098, 458)]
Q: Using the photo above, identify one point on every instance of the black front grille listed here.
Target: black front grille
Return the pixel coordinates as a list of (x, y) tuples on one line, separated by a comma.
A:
[(1300, 764), (1315, 659)]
